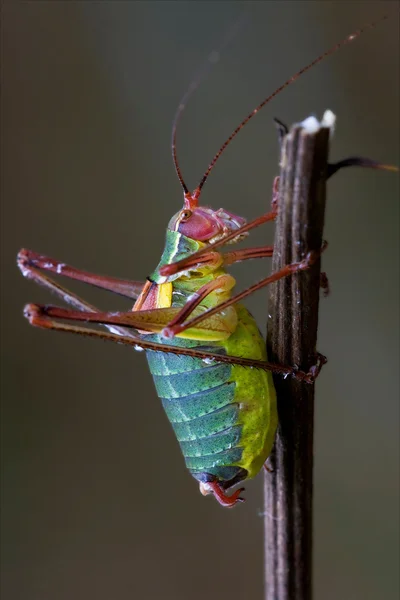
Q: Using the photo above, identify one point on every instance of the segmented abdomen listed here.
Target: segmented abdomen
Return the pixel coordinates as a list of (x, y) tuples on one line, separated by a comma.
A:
[(199, 400)]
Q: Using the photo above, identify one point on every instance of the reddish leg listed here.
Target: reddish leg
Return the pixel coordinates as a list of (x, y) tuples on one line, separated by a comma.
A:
[(27, 260), (69, 297), (303, 265), (215, 259), (44, 317), (247, 254), (214, 488), (224, 283)]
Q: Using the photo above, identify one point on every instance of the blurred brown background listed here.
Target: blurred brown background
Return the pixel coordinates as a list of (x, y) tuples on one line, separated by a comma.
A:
[(96, 499)]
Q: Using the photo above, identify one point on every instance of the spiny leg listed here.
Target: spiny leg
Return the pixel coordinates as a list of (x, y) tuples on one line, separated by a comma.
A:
[(69, 297), (227, 259), (39, 316), (28, 260), (247, 254), (44, 317), (224, 283), (296, 267), (215, 259)]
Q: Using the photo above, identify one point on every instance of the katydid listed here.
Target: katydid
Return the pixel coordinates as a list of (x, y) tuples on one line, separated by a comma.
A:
[(204, 350)]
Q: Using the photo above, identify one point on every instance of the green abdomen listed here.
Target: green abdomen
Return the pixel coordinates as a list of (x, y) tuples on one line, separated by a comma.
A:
[(224, 416)]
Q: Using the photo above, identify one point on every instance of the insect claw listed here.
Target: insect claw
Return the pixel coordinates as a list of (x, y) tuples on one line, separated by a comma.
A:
[(213, 487), (31, 311), (239, 498), (316, 368), (310, 258), (24, 263)]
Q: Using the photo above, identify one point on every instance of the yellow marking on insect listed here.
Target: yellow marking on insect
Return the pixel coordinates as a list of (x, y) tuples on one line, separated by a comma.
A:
[(164, 295)]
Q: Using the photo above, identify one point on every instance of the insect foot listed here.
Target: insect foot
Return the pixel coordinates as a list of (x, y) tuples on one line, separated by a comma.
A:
[(23, 262), (316, 368), (212, 487), (311, 375), (32, 312), (312, 257)]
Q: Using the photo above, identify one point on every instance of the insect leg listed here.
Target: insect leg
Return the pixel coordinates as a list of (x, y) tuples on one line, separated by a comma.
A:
[(66, 295), (28, 260), (223, 283), (215, 259), (303, 265), (247, 254), (213, 487), (44, 317)]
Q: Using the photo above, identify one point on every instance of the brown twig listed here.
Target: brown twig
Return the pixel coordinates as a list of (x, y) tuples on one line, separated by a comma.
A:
[(292, 337)]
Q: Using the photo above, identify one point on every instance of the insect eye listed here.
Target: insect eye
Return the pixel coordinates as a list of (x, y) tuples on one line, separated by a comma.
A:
[(185, 215)]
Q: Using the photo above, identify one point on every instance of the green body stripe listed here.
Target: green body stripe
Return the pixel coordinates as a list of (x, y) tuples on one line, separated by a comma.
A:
[(198, 405), (212, 444), (204, 463), (177, 386), (215, 422), (161, 365)]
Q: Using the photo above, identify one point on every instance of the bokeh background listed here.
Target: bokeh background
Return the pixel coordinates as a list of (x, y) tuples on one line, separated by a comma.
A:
[(96, 501)]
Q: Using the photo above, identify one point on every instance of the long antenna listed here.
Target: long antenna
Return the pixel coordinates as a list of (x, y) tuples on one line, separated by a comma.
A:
[(212, 58), (347, 40)]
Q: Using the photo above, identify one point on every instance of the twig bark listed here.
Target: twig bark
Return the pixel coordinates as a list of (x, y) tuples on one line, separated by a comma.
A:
[(292, 337)]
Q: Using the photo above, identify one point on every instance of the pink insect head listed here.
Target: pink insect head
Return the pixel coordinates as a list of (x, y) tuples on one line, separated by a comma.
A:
[(202, 223)]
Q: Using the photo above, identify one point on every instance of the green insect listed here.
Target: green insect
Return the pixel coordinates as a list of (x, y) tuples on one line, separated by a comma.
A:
[(205, 352)]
